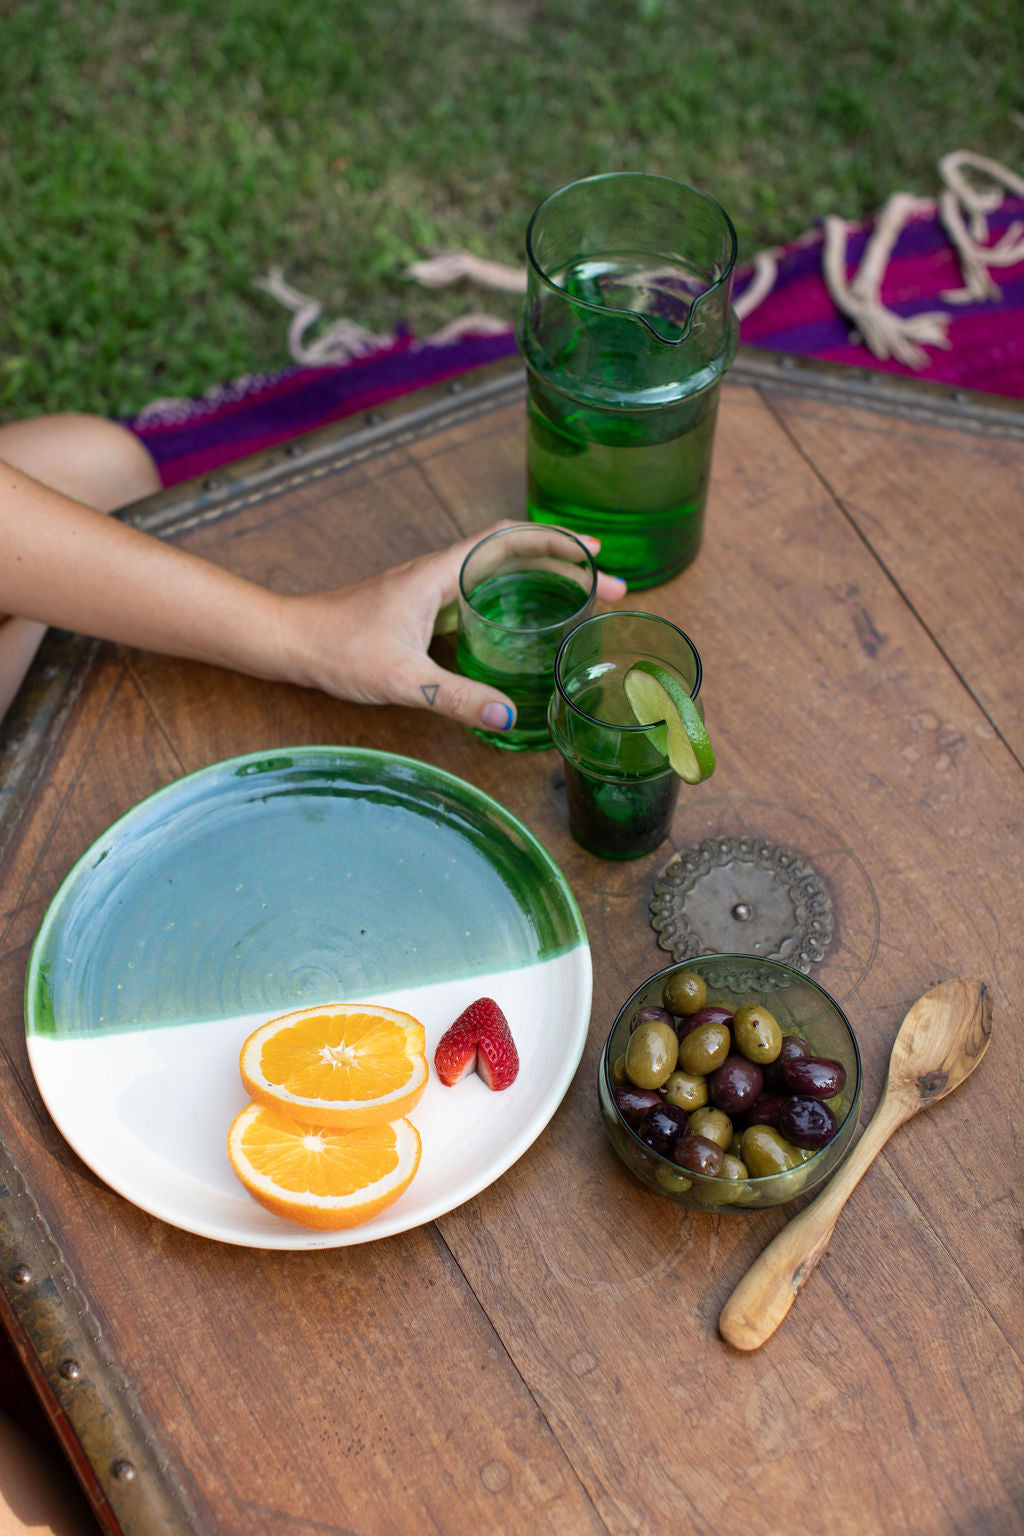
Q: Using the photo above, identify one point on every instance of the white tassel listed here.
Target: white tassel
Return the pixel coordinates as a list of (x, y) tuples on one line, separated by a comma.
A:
[(342, 341)]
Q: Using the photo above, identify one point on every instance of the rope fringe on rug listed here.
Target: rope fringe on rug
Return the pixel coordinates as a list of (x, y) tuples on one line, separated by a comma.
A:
[(962, 206), (934, 288)]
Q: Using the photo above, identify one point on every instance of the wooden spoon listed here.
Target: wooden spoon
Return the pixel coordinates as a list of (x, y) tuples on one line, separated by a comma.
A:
[(940, 1042)]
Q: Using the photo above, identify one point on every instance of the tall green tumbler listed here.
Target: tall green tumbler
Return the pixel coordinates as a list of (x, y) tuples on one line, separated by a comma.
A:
[(626, 330)]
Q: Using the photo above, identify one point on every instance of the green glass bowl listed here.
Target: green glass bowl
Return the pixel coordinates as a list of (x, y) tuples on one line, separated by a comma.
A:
[(801, 1007)]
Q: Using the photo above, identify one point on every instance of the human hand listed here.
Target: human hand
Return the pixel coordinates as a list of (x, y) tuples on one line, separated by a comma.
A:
[(368, 641)]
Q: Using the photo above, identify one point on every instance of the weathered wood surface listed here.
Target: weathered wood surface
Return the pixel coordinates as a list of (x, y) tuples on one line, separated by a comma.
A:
[(546, 1357)]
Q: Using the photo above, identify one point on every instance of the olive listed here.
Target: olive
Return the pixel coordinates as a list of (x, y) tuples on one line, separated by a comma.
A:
[(713, 1125), (685, 992), (687, 1090), (705, 1047), (730, 1185), (814, 1077), (661, 1127), (647, 1012), (756, 1033), (792, 1046), (618, 1071), (807, 1122), (765, 1111), (713, 1013), (766, 1152), (736, 1084), (633, 1103), (698, 1155), (672, 1180), (651, 1054)]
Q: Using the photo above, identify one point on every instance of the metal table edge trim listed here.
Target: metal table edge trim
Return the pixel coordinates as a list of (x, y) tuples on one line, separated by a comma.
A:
[(92, 1407)]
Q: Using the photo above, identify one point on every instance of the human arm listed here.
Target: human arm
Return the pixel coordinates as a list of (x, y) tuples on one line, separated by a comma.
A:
[(67, 565)]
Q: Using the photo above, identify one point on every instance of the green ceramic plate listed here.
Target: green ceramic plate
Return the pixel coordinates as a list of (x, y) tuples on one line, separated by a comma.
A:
[(278, 881)]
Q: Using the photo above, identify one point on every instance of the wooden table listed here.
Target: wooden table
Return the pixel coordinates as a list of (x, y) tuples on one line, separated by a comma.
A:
[(545, 1358)]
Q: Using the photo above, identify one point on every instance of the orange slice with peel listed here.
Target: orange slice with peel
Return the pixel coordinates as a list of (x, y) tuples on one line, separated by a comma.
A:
[(319, 1177), (343, 1065)]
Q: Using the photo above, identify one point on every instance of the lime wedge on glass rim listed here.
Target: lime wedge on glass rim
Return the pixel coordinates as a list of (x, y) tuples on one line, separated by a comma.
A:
[(656, 696)]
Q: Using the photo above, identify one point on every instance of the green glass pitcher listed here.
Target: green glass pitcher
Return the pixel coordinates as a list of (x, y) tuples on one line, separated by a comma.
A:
[(626, 330)]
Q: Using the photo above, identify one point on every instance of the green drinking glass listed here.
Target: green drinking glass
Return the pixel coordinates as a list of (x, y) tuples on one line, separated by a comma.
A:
[(626, 331), (521, 590), (620, 786)]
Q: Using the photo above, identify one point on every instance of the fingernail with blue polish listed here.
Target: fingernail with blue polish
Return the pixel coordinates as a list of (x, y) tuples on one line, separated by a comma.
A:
[(498, 717)]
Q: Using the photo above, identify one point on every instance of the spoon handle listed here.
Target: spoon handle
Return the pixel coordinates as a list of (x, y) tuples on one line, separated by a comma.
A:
[(772, 1283)]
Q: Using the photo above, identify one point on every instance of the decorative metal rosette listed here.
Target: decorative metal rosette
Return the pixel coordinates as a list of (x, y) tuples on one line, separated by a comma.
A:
[(742, 895)]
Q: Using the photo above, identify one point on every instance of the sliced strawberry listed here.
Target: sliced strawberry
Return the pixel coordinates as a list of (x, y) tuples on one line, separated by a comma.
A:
[(480, 1038), (455, 1056)]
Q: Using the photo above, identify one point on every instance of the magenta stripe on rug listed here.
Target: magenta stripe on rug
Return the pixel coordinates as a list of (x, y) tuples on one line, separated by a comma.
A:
[(191, 438)]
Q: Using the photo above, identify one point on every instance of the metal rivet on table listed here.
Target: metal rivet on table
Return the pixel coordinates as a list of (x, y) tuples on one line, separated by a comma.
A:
[(373, 418), (742, 912), (70, 1370), (211, 483), (456, 387), (21, 1274), (123, 1471), (294, 450)]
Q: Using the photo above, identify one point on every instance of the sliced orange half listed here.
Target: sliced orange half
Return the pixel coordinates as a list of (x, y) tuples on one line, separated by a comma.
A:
[(342, 1064), (321, 1178)]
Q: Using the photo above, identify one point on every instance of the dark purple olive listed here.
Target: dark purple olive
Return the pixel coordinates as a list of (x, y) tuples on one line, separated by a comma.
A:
[(648, 1011), (765, 1112), (735, 1085), (714, 1013), (814, 1077), (807, 1122), (792, 1047), (634, 1103), (661, 1127), (698, 1155)]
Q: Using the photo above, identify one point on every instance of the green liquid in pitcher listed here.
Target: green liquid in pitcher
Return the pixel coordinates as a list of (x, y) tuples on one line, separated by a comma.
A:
[(505, 650), (621, 461)]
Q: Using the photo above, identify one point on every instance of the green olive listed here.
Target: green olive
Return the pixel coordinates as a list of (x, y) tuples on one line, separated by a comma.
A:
[(756, 1033), (673, 1180), (651, 1054), (712, 1123), (704, 1048), (728, 1186), (686, 1090), (618, 1072), (735, 1147), (766, 1152), (684, 993)]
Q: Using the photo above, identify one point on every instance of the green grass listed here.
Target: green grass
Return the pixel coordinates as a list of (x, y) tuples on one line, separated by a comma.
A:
[(156, 157)]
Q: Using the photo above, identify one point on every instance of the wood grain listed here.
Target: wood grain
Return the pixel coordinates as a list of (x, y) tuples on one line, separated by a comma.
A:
[(546, 1357)]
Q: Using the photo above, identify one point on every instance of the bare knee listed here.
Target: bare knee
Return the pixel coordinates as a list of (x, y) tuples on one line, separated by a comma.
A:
[(90, 458)]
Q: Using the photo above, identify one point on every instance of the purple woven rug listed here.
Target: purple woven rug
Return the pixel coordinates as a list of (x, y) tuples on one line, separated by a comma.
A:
[(813, 298), (899, 293)]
